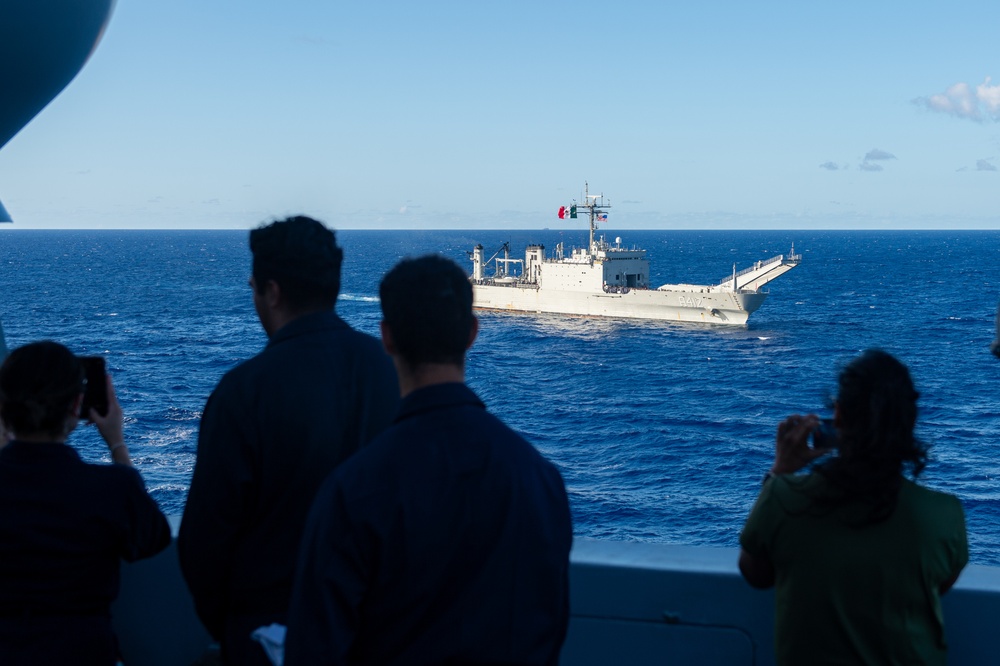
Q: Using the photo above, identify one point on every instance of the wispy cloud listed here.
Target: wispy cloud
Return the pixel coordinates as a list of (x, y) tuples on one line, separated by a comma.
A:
[(869, 163), (829, 166), (985, 165), (876, 154), (963, 101)]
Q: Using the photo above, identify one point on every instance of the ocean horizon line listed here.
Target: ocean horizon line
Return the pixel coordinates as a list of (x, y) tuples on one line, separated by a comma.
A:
[(604, 230)]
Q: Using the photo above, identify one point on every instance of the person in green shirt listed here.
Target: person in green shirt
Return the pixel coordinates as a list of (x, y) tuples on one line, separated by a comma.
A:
[(859, 555)]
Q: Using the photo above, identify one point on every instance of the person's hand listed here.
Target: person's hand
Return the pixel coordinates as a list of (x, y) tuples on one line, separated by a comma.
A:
[(791, 448), (112, 425)]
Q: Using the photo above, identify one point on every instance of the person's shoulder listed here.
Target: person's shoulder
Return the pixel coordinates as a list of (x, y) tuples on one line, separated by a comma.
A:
[(363, 340), (927, 496), (330, 330), (515, 445), (365, 471), (245, 368), (292, 342), (115, 478), (513, 438), (794, 493), (240, 380)]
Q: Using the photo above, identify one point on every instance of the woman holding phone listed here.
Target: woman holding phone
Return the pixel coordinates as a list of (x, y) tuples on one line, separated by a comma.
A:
[(859, 554), (65, 525)]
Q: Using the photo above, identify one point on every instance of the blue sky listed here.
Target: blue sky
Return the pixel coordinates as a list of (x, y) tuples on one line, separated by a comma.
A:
[(400, 115)]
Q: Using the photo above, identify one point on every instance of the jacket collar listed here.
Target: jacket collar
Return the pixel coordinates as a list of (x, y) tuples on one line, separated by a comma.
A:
[(437, 396), (306, 324)]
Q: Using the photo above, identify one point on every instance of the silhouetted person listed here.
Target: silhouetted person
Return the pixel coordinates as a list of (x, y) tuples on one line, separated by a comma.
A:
[(447, 539), (859, 554), (272, 430), (65, 525)]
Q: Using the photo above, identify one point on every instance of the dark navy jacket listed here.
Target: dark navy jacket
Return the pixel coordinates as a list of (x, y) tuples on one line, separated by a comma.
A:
[(445, 541), (272, 430), (65, 526)]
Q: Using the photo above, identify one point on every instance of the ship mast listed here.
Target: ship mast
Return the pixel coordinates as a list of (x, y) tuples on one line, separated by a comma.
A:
[(595, 205)]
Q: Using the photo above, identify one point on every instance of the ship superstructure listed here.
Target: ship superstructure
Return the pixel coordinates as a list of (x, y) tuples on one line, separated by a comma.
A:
[(609, 280)]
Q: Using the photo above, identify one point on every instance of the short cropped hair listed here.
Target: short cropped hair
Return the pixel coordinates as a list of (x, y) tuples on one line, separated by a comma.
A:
[(302, 256), (38, 384), (427, 306)]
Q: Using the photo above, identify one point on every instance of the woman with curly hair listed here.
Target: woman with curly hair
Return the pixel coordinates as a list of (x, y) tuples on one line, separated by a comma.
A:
[(859, 554)]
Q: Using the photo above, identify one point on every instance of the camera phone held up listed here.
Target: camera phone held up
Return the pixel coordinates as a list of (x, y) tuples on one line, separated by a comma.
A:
[(825, 435), (95, 394)]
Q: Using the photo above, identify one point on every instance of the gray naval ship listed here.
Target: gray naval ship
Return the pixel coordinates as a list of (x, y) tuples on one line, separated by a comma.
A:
[(609, 280)]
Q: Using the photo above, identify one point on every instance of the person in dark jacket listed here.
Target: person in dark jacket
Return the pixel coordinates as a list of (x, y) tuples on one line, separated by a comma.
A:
[(272, 430), (65, 525), (447, 539)]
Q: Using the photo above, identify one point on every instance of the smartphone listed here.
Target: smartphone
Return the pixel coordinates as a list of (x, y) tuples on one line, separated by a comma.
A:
[(95, 395), (825, 436)]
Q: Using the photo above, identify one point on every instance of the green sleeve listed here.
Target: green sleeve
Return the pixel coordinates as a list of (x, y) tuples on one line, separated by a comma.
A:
[(959, 545), (758, 532)]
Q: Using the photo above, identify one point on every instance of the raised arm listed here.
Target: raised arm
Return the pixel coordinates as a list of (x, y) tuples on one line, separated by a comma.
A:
[(111, 426)]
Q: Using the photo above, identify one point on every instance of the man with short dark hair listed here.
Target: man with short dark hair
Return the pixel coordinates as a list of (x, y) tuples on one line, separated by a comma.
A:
[(447, 539), (272, 430)]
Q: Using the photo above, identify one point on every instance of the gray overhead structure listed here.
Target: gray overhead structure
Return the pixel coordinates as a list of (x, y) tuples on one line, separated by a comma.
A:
[(43, 45)]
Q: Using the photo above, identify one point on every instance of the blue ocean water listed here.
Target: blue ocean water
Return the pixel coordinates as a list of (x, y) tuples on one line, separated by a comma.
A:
[(662, 431)]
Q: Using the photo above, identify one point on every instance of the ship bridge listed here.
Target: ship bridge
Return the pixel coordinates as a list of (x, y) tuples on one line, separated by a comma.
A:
[(621, 268)]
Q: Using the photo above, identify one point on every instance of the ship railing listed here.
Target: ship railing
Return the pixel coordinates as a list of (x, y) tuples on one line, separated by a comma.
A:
[(755, 267), (519, 283)]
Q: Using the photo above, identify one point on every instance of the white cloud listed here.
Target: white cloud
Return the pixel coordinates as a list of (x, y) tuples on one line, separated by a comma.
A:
[(868, 166), (962, 101), (985, 165), (829, 166)]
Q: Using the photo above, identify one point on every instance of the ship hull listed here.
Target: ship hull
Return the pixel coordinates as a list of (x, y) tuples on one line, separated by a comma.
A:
[(722, 308)]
